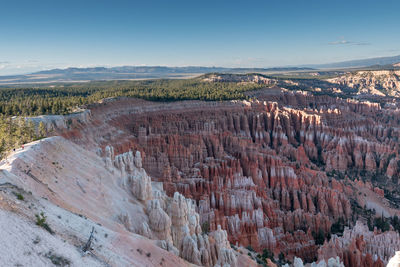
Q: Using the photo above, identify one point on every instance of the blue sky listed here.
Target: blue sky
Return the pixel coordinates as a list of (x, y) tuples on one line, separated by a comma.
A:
[(37, 35)]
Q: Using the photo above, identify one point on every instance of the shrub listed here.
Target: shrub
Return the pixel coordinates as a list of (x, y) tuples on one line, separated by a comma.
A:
[(205, 227), (250, 248), (267, 254), (281, 256), (319, 237), (41, 221), (19, 196), (382, 224), (57, 259), (338, 226)]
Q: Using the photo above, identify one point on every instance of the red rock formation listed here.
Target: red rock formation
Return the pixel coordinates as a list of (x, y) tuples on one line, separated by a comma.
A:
[(361, 247), (258, 169)]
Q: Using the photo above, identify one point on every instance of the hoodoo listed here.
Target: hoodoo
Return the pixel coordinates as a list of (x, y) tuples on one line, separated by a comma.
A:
[(272, 176)]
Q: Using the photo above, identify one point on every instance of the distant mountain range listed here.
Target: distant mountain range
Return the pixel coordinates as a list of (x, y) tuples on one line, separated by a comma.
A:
[(368, 62), (155, 72), (168, 70), (127, 73)]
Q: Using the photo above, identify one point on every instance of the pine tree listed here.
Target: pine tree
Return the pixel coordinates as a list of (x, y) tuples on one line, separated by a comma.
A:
[(31, 130), (42, 130)]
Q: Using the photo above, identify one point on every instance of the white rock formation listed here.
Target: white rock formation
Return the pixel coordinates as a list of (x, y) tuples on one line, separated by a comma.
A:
[(159, 220), (225, 254), (53, 122), (332, 262), (131, 171), (379, 82), (395, 260), (173, 221)]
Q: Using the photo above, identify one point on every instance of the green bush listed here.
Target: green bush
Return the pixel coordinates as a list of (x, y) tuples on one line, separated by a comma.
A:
[(205, 227), (267, 254), (41, 221), (19, 196)]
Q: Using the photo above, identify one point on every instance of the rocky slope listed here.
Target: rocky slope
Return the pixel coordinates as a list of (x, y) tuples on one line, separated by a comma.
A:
[(380, 82), (135, 223)]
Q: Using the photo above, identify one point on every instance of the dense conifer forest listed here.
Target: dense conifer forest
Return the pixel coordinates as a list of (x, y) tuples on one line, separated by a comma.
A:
[(17, 103), (61, 99)]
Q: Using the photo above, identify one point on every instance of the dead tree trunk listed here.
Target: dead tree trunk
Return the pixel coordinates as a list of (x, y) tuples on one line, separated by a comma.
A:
[(89, 242)]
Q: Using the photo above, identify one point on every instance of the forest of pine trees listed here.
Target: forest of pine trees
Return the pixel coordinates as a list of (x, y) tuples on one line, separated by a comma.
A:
[(15, 132), (17, 103), (63, 98)]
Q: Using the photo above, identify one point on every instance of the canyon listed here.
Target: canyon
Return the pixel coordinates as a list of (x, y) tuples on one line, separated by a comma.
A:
[(273, 172), (199, 134), (216, 183)]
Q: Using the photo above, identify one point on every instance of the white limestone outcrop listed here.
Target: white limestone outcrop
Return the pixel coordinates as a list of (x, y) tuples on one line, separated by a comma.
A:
[(174, 222), (332, 262), (395, 260)]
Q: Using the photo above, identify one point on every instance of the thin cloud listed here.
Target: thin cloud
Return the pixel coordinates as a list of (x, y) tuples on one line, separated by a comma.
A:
[(346, 42), (388, 50)]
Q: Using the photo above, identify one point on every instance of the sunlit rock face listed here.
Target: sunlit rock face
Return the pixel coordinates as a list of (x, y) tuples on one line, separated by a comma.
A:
[(395, 260), (331, 262), (382, 82), (245, 78), (272, 172)]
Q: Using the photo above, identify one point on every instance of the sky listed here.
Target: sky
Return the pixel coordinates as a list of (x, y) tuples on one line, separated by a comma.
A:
[(38, 35)]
